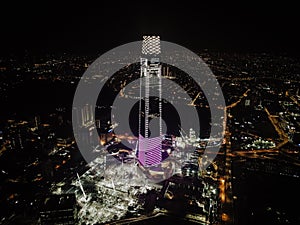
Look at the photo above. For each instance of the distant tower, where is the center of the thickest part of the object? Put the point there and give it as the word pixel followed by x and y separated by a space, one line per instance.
pixel 149 148
pixel 37 121
pixel 247 102
pixel 87 115
pixel 86 124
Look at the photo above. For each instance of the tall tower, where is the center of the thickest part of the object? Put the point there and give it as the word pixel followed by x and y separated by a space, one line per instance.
pixel 85 126
pixel 150 105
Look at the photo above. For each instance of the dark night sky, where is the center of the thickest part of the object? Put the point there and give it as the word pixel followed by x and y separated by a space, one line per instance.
pixel 52 26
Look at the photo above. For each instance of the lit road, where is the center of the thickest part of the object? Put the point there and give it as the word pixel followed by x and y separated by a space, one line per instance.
pixel 292 98
pixel 238 101
pixel 225 183
pixel 282 135
pixel 193 101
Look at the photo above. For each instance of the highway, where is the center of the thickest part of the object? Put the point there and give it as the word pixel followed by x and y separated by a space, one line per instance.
pixel 225 183
pixel 282 135
pixel 238 101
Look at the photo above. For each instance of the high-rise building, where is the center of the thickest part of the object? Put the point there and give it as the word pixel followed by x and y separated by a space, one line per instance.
pixel 150 105
pixel 85 124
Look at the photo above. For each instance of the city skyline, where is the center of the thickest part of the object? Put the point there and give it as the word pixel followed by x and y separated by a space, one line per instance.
pixel 76 164
pixel 262 141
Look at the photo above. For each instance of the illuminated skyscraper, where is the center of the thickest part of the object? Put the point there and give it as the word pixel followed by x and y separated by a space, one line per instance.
pixel 150 105
pixel 85 124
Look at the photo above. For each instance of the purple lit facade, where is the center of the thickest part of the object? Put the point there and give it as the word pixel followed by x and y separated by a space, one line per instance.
pixel 149 153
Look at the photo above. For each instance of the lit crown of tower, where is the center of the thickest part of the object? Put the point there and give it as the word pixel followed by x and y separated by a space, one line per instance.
pixel 151 45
